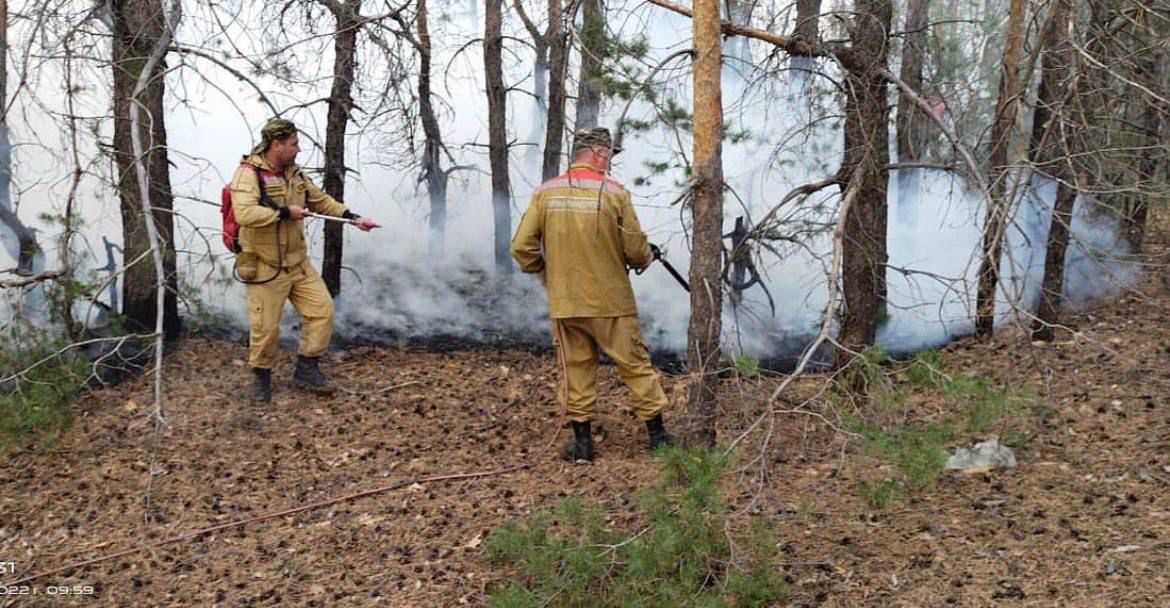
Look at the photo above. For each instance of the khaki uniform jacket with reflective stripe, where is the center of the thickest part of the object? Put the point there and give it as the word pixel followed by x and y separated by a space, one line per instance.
pixel 261 228
pixel 581 231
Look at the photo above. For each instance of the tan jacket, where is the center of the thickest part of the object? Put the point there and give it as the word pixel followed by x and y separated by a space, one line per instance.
pixel 261 227
pixel 580 229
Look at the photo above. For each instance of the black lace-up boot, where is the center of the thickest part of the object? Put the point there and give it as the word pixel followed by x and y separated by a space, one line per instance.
pixel 308 376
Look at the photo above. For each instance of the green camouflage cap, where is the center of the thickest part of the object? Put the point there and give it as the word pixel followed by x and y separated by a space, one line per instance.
pixel 274 129
pixel 597 136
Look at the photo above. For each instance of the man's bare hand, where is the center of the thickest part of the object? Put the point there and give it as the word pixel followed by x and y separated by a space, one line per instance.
pixel 297 212
pixel 366 224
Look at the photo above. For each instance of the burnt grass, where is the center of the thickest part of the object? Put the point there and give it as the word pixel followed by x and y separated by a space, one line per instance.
pixel 1083 521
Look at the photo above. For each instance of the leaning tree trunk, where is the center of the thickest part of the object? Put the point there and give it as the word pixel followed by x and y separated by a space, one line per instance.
pixel 592 57
pixel 138 24
pixel 558 52
pixel 346 16
pixel 433 172
pixel 539 75
pixel 27 252
pixel 703 352
pixel 1049 149
pixel 998 207
pixel 913 126
pixel 493 44
pixel 866 157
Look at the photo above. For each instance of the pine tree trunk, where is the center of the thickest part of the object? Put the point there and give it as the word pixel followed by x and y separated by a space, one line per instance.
pixel 493 44
pixel 433 172
pixel 1049 149
pixel 336 122
pixel 557 67
pixel 995 226
pixel 1153 128
pixel 866 155
pixel 592 57
pixel 138 24
pixel 703 334
pixel 913 126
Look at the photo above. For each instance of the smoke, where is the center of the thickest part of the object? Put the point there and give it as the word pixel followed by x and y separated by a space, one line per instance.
pixel 786 132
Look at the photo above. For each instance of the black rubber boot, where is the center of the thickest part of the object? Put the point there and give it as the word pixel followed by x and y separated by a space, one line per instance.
pixel 261 386
pixel 308 376
pixel 658 435
pixel 580 449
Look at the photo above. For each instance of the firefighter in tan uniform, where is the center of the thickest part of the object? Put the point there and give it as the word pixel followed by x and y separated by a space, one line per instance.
pixel 581 234
pixel 274 260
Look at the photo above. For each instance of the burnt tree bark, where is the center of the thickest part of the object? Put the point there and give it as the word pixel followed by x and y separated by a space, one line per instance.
pixel 346 15
pixel 912 126
pixel 866 156
pixel 432 170
pixel 995 226
pixel 703 333
pixel 137 25
pixel 1049 149
pixel 592 60
pixel 493 45
pixel 558 61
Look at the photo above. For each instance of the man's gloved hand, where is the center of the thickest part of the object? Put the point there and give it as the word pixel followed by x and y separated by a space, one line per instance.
pixel 656 251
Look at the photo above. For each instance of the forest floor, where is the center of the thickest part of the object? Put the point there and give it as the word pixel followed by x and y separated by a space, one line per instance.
pixel 1084 520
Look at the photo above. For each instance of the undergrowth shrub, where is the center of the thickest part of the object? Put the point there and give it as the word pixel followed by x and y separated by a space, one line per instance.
pixel 36 386
pixel 568 557
pixel 917 448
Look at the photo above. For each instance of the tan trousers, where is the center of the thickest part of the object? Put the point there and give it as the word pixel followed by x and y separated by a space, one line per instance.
pixel 302 286
pixel 578 339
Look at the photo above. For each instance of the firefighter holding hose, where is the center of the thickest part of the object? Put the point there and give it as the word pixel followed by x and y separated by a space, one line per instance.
pixel 271 197
pixel 581 234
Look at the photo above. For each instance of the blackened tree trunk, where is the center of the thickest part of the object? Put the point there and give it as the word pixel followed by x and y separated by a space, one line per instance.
pixel 913 126
pixel 1049 149
pixel 866 156
pixel 137 25
pixel 995 226
pixel 558 53
pixel 346 16
pixel 703 349
pixel 433 172
pixel 493 45
pixel 592 59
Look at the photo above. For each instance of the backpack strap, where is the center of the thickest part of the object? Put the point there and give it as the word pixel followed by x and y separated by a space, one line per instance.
pixel 265 200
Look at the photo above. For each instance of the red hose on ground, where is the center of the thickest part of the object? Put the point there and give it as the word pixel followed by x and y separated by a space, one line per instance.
pixel 332 501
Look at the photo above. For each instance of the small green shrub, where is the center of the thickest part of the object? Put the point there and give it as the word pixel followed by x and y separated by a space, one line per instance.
pixel 35 397
pixel 568 557
pixel 747 366
pixel 879 495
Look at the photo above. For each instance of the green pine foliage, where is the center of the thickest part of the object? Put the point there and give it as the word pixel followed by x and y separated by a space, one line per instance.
pixel 37 384
pixel 568 557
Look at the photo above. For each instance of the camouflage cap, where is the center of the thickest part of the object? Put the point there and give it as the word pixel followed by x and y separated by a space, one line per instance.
pixel 597 136
pixel 274 129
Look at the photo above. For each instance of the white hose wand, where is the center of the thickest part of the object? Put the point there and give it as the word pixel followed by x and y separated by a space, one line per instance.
pixel 331 218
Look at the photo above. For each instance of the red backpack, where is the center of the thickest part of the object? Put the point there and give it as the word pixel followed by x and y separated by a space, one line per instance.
pixel 231 228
